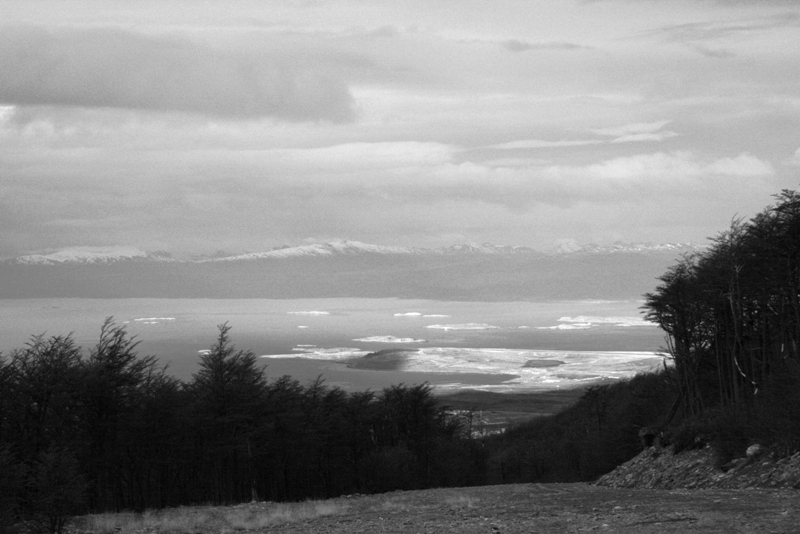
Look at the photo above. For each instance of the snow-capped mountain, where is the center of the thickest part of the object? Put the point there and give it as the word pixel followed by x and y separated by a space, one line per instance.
pixel 352 248
pixel 346 269
pixel 322 249
pixel 625 248
pixel 358 248
pixel 88 255
pixel 104 255
pixel 485 248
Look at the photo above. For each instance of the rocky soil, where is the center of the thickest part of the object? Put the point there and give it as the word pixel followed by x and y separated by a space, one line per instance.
pixel 656 492
pixel 659 468
pixel 561 508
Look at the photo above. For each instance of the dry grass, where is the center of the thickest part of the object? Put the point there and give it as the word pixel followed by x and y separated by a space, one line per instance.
pixel 259 516
pixel 461 501
pixel 223 520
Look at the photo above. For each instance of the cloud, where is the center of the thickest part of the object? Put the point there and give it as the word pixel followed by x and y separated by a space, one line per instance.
pixel 629 133
pixel 612 182
pixel 379 155
pixel 110 68
pixel 716 53
pixel 203 200
pixel 742 165
pixel 539 143
pixel 693 33
pixel 637 132
pixel 682 166
pixel 628 129
pixel 516 45
pixel 642 137
pixel 794 160
pixel 759 3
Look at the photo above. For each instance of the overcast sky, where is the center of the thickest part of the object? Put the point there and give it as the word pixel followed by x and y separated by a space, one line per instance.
pixel 194 126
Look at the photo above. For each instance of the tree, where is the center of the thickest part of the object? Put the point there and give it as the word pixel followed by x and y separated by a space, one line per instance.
pixel 228 394
pixel 732 313
pixel 42 400
pixel 675 307
pixel 115 381
pixel 410 419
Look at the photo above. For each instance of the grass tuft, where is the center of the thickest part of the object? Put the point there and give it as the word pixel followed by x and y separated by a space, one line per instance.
pixel 224 520
pixel 461 501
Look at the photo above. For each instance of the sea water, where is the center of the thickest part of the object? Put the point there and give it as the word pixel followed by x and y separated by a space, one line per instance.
pixel 491 345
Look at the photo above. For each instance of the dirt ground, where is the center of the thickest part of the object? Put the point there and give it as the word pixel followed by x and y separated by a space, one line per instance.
pixel 561 508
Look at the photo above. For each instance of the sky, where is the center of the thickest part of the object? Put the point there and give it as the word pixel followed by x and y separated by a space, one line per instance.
pixel 205 126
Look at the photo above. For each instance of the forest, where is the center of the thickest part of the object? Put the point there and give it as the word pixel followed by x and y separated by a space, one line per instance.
pixel 108 430
pixel 113 431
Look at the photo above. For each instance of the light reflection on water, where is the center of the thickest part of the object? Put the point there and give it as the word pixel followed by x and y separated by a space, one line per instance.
pixel 176 330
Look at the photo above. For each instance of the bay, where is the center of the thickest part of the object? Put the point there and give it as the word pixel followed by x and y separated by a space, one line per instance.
pixel 307 338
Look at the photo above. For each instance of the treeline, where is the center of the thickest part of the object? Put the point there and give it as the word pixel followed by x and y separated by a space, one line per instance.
pixel 732 315
pixel 113 431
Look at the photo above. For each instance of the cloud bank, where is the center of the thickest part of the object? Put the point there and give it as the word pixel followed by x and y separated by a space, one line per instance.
pixel 111 68
pixel 247 125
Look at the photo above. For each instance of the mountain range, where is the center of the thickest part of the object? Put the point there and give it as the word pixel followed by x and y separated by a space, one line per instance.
pixel 346 269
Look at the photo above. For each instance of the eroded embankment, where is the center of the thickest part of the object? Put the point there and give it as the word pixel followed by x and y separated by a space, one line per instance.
pixel 659 468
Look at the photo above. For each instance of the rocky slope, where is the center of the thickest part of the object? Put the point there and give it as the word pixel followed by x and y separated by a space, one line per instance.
pixel 659 468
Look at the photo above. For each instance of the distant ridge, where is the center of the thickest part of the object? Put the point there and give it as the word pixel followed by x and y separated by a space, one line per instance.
pixel 627 248
pixel 103 255
pixel 485 248
pixel 479 272
pixel 321 249
pixel 89 255
pixel 357 247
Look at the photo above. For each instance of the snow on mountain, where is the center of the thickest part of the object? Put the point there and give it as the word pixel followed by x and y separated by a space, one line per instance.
pixel 485 248
pixel 87 255
pixel 358 248
pixel 343 269
pixel 96 255
pixel 321 249
pixel 620 247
